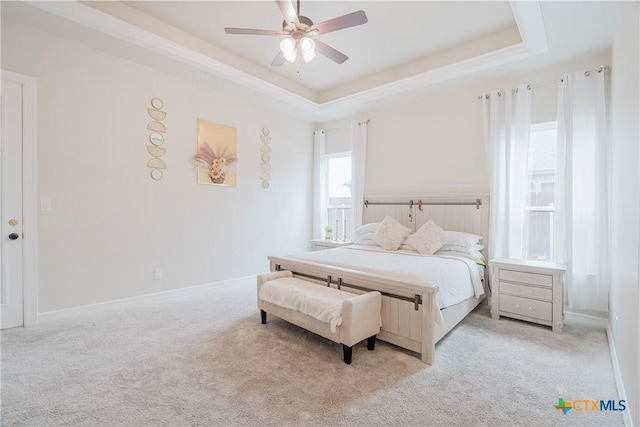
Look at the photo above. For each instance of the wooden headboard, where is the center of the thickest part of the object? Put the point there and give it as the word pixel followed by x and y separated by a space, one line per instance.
pixel 469 214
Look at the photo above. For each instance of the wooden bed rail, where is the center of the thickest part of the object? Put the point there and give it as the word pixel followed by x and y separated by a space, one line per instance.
pixel 366 282
pixel 416 300
pixel 421 297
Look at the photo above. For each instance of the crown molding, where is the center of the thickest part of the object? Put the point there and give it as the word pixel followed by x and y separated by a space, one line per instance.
pixel 115 27
pixel 528 16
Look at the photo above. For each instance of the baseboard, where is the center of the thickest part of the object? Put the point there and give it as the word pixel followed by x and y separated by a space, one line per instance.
pixel 585 319
pixel 616 372
pixel 601 322
pixel 51 316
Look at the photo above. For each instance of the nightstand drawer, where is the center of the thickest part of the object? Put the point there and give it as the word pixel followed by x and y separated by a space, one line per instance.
pixel 523 277
pixel 526 291
pixel 526 307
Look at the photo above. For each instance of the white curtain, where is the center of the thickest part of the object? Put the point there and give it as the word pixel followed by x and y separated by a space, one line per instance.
pixel 507 123
pixel 581 218
pixel 319 184
pixel 358 167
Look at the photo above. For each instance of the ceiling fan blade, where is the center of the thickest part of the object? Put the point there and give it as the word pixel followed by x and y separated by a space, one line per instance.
pixel 326 50
pixel 278 60
pixel 288 11
pixel 341 22
pixel 253 31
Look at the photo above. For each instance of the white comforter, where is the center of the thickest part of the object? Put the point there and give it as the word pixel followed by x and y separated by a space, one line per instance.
pixel 456 278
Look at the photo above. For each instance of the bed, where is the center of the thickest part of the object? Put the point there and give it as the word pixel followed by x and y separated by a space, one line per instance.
pixel 423 296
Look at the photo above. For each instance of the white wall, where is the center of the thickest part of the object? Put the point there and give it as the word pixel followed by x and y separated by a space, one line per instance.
pixel 625 207
pixel 111 225
pixel 430 142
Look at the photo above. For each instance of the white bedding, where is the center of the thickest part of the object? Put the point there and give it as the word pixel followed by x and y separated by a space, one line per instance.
pixel 456 278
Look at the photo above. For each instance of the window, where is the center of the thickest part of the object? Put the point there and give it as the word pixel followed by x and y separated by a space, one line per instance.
pixel 541 175
pixel 339 194
pixel 339 171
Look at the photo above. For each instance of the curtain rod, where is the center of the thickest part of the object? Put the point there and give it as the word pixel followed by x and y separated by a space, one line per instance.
pixel 343 127
pixel 600 69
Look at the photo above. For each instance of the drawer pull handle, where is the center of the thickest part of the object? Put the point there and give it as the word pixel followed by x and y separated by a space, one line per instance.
pixel 517 305
pixel 530 308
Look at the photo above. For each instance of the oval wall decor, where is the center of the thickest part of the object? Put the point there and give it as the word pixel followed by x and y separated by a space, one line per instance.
pixel 156 138
pixel 265 157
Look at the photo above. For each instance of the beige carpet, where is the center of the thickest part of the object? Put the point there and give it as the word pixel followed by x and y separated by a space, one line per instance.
pixel 205 359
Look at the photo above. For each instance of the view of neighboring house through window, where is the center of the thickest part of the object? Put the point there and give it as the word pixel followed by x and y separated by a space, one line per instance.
pixel 541 170
pixel 339 193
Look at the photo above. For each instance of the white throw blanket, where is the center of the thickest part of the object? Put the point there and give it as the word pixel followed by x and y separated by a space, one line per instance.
pixel 320 302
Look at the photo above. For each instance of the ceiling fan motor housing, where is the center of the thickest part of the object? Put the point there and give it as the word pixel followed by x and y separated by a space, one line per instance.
pixel 304 24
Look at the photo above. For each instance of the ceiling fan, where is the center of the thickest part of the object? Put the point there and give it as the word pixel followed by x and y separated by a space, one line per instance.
pixel 300 31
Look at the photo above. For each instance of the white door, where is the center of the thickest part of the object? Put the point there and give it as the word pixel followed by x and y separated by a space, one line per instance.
pixel 11 247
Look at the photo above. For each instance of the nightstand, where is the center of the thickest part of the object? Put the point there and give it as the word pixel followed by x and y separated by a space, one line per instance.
pixel 528 290
pixel 317 245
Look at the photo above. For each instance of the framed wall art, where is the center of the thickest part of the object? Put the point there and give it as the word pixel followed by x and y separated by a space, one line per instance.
pixel 217 154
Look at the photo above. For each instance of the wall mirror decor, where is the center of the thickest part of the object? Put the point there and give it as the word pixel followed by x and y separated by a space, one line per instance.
pixel 265 157
pixel 156 137
pixel 157 103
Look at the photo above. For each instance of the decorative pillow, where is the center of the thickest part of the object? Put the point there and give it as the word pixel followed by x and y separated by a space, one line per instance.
pixel 390 234
pixel 463 239
pixel 466 249
pixel 428 239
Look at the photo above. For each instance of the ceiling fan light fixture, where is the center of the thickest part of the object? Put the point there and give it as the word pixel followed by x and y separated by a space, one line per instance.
pixel 290 56
pixel 308 47
pixel 308 55
pixel 307 44
pixel 288 45
pixel 288 48
pixel 299 31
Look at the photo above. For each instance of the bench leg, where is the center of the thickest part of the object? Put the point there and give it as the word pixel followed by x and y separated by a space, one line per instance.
pixel 371 343
pixel 347 351
pixel 263 317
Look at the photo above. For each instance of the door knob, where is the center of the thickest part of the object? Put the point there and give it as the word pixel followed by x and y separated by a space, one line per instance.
pixel 13 236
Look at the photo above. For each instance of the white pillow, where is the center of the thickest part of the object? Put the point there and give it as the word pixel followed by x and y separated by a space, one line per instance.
pixel 428 239
pixel 365 242
pixel 466 249
pixel 371 227
pixel 365 232
pixel 390 234
pixel 463 239
pixel 475 256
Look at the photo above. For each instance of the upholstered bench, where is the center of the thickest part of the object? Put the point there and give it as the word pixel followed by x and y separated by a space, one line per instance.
pixel 337 315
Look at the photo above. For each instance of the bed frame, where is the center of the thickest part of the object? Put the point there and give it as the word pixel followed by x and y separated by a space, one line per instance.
pixel 408 310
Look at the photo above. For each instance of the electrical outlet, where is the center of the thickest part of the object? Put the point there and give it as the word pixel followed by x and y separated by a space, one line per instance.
pixel 157 274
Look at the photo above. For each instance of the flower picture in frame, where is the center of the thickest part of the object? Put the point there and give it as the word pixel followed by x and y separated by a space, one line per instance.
pixel 217 154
